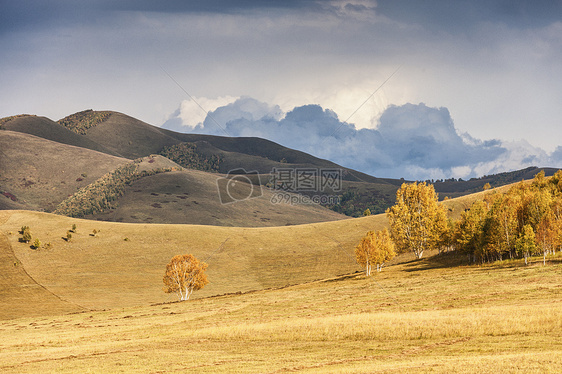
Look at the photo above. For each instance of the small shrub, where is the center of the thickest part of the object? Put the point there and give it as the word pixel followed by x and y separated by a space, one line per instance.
pixel 25 234
pixel 36 244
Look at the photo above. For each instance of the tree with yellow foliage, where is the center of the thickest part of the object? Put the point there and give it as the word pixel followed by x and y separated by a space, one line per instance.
pixel 417 220
pixel 469 231
pixel 376 248
pixel 526 242
pixel 501 225
pixel 185 274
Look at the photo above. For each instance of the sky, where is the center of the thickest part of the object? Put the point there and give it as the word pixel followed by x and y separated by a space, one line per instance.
pixel 415 89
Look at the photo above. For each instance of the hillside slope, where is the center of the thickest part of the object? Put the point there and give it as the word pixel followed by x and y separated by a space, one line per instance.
pixel 47 129
pixel 123 264
pixel 118 134
pixel 20 295
pixel 192 197
pixel 129 137
pixel 37 173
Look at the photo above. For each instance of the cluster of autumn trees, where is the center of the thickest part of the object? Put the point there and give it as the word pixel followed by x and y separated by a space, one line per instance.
pixel 524 221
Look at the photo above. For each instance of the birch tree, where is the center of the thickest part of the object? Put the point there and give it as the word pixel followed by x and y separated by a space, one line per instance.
pixel 185 274
pixel 417 220
pixel 502 225
pixel 376 248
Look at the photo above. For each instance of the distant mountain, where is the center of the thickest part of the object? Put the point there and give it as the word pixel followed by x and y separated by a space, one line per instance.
pixel 117 134
pixel 37 174
pixel 47 129
pixel 40 174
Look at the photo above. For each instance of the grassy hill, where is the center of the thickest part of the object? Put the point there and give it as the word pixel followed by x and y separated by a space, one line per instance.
pixel 192 197
pixel 293 292
pixel 47 129
pixel 415 316
pixel 18 291
pixel 122 264
pixel 37 174
pixel 118 134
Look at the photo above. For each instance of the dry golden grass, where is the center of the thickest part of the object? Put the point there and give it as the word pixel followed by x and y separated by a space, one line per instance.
pixel 433 315
pixel 191 197
pixel 41 173
pixel 413 317
pixel 123 264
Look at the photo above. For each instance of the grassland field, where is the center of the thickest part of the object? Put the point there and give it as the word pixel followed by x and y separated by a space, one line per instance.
pixel 417 316
pixel 281 299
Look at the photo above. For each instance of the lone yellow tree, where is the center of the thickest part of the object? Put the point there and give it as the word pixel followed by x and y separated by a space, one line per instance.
pixel 185 274
pixel 417 220
pixel 376 248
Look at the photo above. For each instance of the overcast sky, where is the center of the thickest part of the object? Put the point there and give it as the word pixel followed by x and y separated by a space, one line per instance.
pixel 468 87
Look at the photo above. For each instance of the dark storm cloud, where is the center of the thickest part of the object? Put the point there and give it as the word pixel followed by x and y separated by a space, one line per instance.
pixel 211 6
pixel 459 16
pixel 38 14
pixel 437 14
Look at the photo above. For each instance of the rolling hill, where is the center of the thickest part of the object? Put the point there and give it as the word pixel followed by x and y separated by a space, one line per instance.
pixel 415 317
pixel 37 174
pixel 95 300
pixel 122 264
pixel 118 134
pixel 47 129
pixel 288 291
pixel 192 197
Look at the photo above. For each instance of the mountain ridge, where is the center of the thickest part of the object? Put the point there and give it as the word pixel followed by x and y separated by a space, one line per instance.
pixel 118 134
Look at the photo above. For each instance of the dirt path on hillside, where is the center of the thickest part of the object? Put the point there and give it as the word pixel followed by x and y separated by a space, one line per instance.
pixel 20 294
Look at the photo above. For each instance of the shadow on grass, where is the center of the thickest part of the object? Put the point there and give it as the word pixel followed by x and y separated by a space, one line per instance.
pixel 455 259
pixel 437 261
